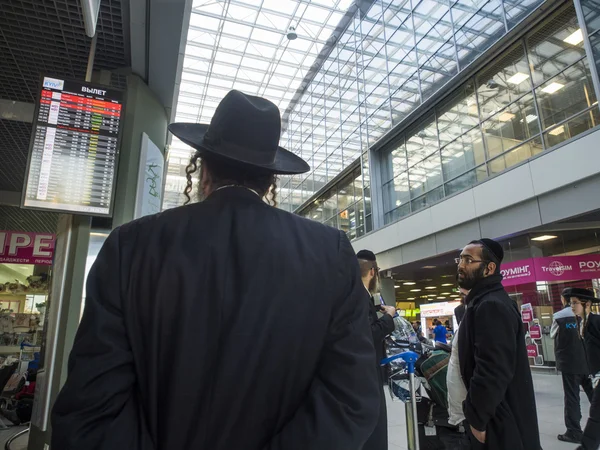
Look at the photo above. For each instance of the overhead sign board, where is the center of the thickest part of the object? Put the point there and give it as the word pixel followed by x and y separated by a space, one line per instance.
pixel 74 148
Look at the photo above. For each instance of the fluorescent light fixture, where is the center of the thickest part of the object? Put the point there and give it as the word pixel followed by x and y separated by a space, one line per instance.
pixel 431 295
pixel 575 38
pixel 545 237
pixel 529 118
pixel 430 287
pixel 455 295
pixel 409 283
pixel 506 117
pixel 428 267
pixel 441 298
pixel 557 131
pixel 553 87
pixel 397 287
pixel 415 290
pixel 448 284
pixel 97 234
pixel 518 78
pixel 446 293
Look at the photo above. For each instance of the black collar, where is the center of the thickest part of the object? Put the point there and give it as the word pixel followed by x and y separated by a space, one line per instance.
pixel 484 286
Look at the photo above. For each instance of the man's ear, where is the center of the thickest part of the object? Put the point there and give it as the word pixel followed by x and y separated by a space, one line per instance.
pixel 491 268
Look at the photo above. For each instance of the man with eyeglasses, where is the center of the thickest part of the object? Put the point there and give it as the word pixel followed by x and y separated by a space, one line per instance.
pixel 500 405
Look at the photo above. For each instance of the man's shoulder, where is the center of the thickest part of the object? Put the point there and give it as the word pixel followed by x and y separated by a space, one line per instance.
pixel 499 300
pixel 565 313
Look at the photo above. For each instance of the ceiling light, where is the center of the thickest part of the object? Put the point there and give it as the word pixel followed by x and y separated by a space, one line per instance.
pixel 518 78
pixel 430 287
pixel 455 295
pixel 428 267
pixel 441 298
pixel 446 293
pixel 431 295
pixel 415 290
pixel 557 131
pixel 529 118
pixel 506 116
pixel 575 38
pixel 553 87
pixel 448 284
pixel 397 287
pixel 545 237
pixel 409 283
pixel 410 298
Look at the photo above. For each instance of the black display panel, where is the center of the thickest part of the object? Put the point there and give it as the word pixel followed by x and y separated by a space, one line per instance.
pixel 74 148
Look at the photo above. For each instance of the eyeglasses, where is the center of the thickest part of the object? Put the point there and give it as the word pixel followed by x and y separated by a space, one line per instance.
pixel 467 260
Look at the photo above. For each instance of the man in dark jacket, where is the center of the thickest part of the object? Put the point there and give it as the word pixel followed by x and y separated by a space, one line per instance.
pixel 571 361
pixel 500 405
pixel 227 324
pixel 381 327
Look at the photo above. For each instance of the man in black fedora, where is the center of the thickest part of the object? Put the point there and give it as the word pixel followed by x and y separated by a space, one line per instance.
pixel 226 324
pixel 571 362
pixel 500 407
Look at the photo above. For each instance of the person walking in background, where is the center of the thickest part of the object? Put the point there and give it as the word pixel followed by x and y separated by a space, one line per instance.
pixel 440 332
pixel 381 327
pixel 571 362
pixel 227 324
pixel 589 328
pixel 500 403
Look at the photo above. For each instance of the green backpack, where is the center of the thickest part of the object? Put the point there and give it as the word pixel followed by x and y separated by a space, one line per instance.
pixel 434 369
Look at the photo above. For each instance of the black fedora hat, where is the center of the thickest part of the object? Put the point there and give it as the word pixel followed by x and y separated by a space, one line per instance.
pixel 581 294
pixel 244 130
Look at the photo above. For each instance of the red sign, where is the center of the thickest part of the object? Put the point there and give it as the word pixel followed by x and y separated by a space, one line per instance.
pixel 532 351
pixel 527 315
pixel 535 332
pixel 559 268
pixel 26 248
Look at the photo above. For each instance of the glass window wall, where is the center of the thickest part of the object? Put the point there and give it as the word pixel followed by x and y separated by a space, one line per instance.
pixel 536 95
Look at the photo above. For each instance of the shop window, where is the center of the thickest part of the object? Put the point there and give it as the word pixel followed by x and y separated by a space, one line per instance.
pixel 504 82
pixel 463 154
pixel 397 214
pixel 360 218
pixel 425 176
pixel 421 141
pixel 466 181
pixel 515 156
pixel 394 162
pixel 555 45
pixel 595 42
pixel 396 193
pixel 428 199
pixel 572 127
pixel 457 115
pixel 565 95
pixel 438 69
pixel 511 126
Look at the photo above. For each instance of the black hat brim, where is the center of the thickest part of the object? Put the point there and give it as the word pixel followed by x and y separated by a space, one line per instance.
pixel 285 162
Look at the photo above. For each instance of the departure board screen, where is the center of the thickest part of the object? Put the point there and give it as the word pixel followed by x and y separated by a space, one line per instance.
pixel 74 148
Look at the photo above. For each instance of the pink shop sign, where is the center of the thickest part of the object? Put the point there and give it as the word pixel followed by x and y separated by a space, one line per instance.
pixel 559 268
pixel 518 272
pixel 26 248
pixel 566 268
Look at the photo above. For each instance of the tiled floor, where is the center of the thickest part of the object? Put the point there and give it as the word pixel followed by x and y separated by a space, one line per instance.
pixel 548 389
pixel 549 397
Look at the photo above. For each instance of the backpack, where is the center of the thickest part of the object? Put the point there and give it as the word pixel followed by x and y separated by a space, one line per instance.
pixel 434 369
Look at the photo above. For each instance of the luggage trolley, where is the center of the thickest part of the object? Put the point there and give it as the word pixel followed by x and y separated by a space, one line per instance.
pixel 403 370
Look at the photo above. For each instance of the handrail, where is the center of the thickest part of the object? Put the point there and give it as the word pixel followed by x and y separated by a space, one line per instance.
pixel 16 436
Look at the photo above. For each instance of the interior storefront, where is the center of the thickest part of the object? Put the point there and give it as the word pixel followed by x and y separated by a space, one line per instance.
pixel 538 265
pixel 25 270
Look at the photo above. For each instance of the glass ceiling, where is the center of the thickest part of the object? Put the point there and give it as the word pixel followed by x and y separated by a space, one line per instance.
pixel 242 44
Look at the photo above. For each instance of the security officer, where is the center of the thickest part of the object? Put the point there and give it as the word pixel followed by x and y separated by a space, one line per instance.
pixel 571 361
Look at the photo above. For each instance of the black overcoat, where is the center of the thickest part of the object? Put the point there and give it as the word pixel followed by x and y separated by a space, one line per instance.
pixel 223 325
pixel 495 369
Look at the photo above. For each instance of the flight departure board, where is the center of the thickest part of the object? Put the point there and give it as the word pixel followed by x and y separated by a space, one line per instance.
pixel 74 148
